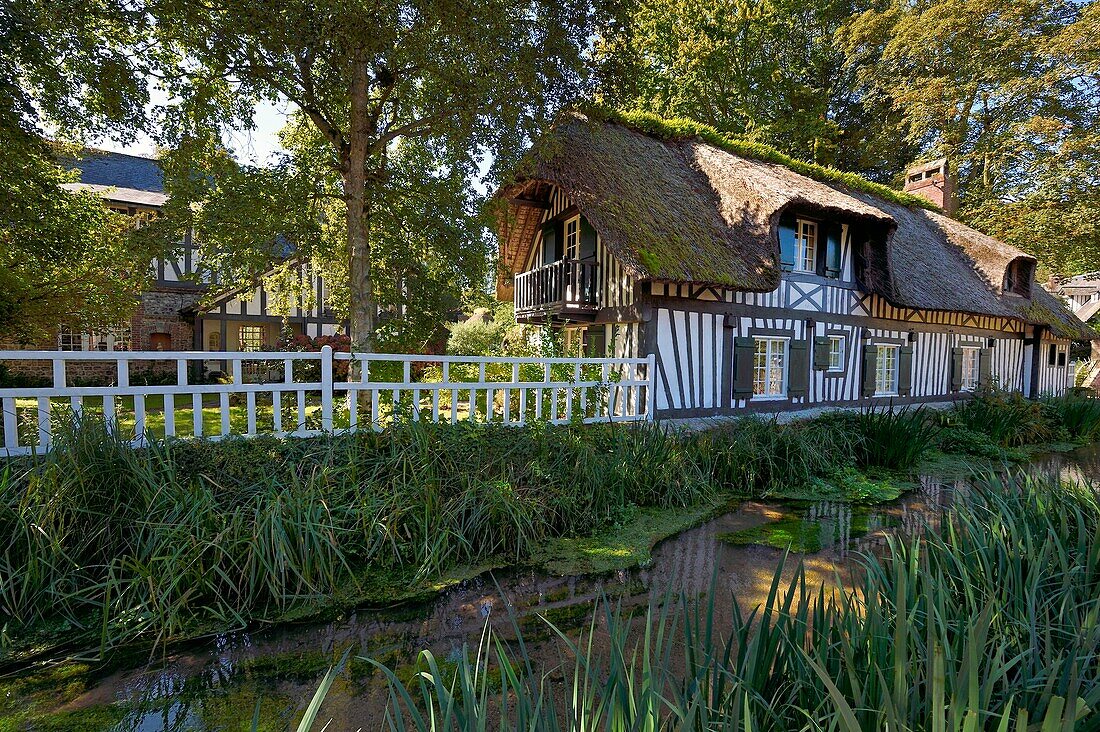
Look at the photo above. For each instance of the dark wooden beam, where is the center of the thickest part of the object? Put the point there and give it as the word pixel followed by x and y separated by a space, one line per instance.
pixel 530 203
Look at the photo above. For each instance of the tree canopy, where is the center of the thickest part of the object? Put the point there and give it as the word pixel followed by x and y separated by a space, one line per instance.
pixel 1007 89
pixel 67 69
pixel 396 103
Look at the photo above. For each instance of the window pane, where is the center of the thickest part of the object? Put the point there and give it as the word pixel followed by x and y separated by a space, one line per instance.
pixel 251 337
pixel 886 374
pixel 806 259
pixel 836 353
pixel 769 367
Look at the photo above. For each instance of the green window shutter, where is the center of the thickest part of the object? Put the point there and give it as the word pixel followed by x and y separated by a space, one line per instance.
pixel 798 370
pixel 743 349
pixel 905 371
pixel 588 241
pixel 549 242
pixel 787 241
pixel 832 251
pixel 821 352
pixel 956 369
pixel 870 360
pixel 985 366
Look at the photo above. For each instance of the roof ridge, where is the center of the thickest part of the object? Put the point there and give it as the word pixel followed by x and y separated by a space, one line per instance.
pixel 679 128
pixel 100 151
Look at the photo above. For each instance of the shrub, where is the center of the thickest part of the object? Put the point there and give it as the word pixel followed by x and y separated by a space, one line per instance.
pixel 9 380
pixel 1078 414
pixel 893 439
pixel 1009 418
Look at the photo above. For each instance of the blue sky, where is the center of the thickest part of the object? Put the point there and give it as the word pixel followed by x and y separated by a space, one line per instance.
pixel 255 146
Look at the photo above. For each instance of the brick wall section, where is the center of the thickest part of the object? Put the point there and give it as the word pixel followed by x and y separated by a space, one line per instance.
pixel 159 312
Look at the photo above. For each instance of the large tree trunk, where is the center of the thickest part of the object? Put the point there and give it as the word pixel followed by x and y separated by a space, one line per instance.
pixel 360 286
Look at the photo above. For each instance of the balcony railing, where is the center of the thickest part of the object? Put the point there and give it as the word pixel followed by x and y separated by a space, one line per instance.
pixel 567 284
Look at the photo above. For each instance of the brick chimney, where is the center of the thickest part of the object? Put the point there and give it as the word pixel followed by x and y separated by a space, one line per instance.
pixel 933 181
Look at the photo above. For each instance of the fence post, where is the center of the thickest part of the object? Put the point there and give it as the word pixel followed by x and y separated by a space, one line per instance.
pixel 326 389
pixel 651 390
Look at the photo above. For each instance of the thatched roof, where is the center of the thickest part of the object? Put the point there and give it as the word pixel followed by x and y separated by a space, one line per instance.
pixel 685 209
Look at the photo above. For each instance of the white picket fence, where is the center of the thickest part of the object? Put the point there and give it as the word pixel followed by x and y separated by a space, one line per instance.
pixel 296 393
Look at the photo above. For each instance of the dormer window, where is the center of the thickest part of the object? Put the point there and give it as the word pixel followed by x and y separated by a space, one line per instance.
pixel 572 237
pixel 1018 277
pixel 805 246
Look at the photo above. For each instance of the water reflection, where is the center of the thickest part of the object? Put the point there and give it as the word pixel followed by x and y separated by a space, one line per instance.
pixel 218 685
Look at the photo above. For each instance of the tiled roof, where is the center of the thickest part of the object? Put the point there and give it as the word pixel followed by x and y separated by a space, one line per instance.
pixel 103 168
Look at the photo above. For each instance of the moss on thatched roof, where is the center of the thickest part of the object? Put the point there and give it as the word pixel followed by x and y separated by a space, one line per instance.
pixel 681 129
pixel 677 201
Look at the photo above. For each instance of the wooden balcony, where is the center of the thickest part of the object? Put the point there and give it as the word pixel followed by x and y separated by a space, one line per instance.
pixel 567 290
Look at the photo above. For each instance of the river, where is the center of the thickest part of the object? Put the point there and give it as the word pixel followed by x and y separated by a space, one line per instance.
pixel 215 685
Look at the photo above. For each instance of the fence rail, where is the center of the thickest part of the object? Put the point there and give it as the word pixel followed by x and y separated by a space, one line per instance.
pixel 310 393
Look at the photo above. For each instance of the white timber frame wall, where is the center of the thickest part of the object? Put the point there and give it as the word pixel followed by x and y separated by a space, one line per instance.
pixel 691 329
pixel 692 341
pixel 243 307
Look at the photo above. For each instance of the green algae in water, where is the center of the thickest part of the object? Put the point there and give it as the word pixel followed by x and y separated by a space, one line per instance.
pixel 35 701
pixel 791 531
pixel 807 529
pixel 850 485
pixel 625 546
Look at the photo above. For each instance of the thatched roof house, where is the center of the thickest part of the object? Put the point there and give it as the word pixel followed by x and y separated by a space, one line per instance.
pixel 680 208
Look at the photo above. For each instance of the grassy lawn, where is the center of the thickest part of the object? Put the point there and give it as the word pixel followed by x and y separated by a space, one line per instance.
pixel 212 423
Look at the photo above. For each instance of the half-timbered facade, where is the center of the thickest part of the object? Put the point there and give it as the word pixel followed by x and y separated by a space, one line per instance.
pixel 758 288
pixel 183 309
pixel 1082 294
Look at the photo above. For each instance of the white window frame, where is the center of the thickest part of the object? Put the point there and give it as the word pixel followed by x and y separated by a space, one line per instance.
pixel 240 337
pixel 837 356
pixel 887 379
pixel 115 338
pixel 70 340
pixel 805 246
pixel 970 368
pixel 572 231
pixel 772 343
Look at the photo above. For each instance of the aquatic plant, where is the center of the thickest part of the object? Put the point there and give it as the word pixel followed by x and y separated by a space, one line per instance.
pixel 930 638
pixel 1080 415
pixel 1009 418
pixel 894 439
pixel 755 456
pixel 116 543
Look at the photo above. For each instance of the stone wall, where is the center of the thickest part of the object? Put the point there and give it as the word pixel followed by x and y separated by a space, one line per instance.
pixel 155 325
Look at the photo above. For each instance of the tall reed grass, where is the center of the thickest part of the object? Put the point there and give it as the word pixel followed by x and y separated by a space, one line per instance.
pixel 990 623
pixel 113 543
pixel 119 543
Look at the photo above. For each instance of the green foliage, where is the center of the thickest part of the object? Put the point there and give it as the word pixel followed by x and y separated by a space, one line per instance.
pixel 491 332
pixel 64 257
pixel 893 439
pixel 929 638
pixel 769 72
pixel 757 456
pixel 1078 414
pixel 1009 418
pixel 1014 112
pixel 395 109
pixel 119 544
